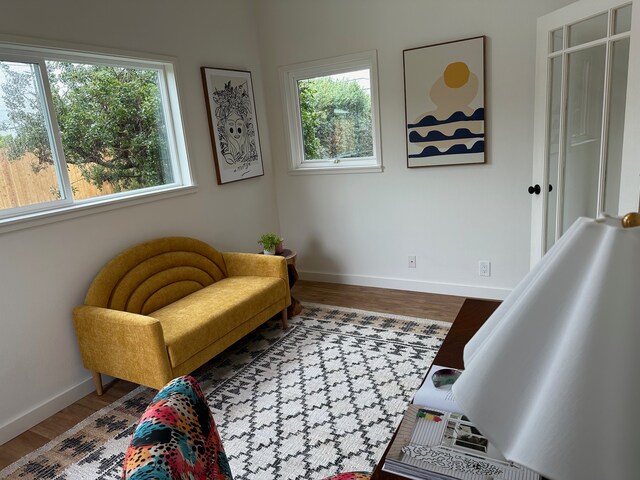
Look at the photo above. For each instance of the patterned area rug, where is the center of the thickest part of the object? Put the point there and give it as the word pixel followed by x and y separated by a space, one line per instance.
pixel 321 398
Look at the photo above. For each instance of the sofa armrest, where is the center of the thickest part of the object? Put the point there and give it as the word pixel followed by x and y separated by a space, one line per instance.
pixel 258 265
pixel 123 345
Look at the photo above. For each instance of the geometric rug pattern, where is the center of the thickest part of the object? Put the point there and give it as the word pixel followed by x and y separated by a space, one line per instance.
pixel 321 398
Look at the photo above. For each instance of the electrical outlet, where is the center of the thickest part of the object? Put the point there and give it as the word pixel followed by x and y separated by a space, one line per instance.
pixel 412 261
pixel 484 268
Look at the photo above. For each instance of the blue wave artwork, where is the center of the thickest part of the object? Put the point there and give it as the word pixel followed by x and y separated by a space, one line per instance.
pixel 435 136
pixel 430 120
pixel 457 149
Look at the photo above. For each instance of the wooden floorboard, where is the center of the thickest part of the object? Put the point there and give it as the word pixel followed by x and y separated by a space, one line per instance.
pixel 62 421
pixel 21 445
pixel 399 302
pixel 414 304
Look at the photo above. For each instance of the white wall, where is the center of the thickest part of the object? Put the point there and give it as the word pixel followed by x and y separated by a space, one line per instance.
pixel 360 228
pixel 45 270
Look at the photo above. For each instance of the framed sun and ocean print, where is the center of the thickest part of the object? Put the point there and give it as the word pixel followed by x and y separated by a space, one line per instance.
pixel 233 124
pixel 444 88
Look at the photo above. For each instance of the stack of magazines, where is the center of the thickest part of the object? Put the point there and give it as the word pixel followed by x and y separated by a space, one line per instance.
pixel 435 443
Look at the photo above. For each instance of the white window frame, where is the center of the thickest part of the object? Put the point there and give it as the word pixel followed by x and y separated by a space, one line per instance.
pixel 289 77
pixel 13 218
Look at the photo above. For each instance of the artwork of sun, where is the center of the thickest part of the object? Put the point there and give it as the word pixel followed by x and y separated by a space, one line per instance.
pixel 444 94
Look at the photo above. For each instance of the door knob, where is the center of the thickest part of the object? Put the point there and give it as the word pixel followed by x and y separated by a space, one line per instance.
pixel 536 189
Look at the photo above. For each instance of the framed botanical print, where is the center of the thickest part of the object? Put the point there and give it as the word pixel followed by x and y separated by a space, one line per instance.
pixel 444 103
pixel 233 124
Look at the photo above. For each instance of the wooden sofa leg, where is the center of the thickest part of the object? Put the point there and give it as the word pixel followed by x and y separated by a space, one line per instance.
pixel 97 380
pixel 285 323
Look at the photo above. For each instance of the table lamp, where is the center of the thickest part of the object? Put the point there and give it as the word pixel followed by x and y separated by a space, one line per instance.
pixel 552 379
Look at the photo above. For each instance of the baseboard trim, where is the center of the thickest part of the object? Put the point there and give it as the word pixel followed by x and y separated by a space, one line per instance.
pixel 473 291
pixel 21 424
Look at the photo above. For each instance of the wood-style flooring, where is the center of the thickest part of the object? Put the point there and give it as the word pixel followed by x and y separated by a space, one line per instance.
pixel 414 304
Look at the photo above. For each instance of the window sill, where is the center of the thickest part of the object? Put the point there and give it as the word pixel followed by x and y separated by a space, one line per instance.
pixel 79 210
pixel 336 170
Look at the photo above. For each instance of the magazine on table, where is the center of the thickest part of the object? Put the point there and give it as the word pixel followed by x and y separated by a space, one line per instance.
pixel 436 441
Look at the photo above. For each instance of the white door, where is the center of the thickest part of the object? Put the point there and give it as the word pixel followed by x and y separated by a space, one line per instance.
pixel 582 164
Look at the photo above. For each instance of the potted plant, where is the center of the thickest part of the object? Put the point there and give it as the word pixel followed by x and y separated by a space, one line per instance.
pixel 270 243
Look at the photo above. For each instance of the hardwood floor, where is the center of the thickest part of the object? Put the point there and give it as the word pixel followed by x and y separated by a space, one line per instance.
pixel 414 304
pixel 399 302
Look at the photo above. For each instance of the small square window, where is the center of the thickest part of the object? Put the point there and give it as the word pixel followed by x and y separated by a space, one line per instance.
pixel 331 107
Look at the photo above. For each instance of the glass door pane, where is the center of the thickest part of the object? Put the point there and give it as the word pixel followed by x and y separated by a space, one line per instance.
pixel 556 40
pixel 586 73
pixel 617 102
pixel 588 30
pixel 623 19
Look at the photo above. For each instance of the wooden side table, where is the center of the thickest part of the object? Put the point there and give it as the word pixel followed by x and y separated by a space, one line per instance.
pixel 290 256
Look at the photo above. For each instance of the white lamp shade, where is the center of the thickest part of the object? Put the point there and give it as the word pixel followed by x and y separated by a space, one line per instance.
pixel 553 377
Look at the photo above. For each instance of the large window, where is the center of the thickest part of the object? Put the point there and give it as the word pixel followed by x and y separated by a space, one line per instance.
pixel 78 129
pixel 332 106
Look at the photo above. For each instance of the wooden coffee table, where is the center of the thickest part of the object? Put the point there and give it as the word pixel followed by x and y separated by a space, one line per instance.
pixel 470 318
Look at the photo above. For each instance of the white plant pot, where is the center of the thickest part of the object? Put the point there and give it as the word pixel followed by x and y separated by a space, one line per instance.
pixel 270 252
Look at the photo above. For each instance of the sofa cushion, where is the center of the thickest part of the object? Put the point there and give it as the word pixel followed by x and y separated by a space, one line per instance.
pixel 201 318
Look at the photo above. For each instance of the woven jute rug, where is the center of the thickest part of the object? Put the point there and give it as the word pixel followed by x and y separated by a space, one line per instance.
pixel 323 397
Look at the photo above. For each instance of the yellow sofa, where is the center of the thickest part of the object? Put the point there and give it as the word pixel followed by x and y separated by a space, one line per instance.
pixel 163 308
